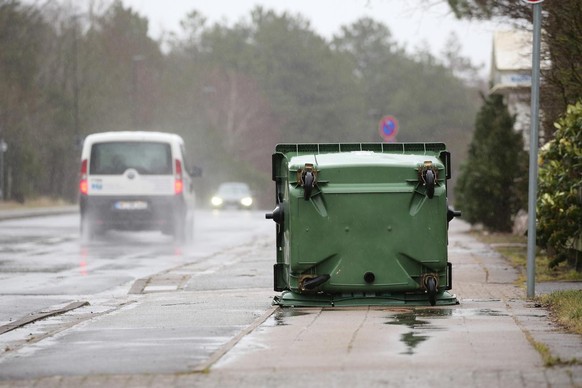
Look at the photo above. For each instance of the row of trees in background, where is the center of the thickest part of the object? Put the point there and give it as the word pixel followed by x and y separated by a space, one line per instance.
pixel 232 91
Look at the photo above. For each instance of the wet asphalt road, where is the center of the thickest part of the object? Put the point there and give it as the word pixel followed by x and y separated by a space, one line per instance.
pixel 165 315
pixel 140 317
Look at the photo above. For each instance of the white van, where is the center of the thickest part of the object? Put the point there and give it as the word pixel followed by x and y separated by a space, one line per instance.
pixel 136 181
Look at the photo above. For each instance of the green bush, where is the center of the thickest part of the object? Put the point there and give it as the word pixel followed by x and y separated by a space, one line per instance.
pixel 492 184
pixel 559 205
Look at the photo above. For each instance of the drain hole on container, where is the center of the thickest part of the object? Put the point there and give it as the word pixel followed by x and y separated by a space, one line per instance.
pixel 369 277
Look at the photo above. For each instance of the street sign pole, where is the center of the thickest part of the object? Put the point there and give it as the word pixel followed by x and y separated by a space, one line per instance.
pixel 533 149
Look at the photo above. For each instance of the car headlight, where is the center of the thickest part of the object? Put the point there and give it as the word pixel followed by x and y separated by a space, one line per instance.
pixel 246 201
pixel 216 201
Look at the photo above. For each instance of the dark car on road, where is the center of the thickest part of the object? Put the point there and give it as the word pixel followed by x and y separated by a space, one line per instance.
pixel 232 195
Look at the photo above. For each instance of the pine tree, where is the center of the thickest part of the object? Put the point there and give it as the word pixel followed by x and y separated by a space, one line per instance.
pixel 492 184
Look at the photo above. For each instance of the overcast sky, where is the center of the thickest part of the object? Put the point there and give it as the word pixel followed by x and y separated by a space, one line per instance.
pixel 412 22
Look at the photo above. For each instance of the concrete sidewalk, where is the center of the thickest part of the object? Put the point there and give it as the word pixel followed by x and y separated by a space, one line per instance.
pixel 488 340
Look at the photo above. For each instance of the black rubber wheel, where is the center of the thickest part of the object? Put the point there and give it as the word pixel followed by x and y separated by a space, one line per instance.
pixel 307 185
pixel 431 288
pixel 429 182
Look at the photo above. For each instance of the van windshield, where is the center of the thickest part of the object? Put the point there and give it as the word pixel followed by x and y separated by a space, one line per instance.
pixel 149 158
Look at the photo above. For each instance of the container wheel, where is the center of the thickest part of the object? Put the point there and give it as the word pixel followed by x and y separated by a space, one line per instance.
pixel 429 181
pixel 307 185
pixel 431 288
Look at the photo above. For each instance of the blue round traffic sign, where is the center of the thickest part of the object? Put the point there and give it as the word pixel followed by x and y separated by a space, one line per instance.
pixel 388 128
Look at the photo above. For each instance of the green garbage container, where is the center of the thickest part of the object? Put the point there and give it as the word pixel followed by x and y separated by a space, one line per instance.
pixel 362 224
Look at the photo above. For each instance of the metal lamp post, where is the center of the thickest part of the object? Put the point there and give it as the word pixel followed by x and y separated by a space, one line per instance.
pixel 533 147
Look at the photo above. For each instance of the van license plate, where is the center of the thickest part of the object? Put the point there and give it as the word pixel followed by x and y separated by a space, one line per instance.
pixel 131 205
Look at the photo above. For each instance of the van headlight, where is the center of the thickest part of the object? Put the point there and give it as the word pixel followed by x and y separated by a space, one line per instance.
pixel 216 201
pixel 246 201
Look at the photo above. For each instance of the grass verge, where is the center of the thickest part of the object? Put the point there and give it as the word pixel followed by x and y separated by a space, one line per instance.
pixel 566 308
pixel 514 249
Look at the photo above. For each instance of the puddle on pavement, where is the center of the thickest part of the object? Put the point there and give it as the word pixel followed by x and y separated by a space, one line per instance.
pixel 421 322
pixel 419 327
pixel 280 317
pixel 412 340
pixel 408 319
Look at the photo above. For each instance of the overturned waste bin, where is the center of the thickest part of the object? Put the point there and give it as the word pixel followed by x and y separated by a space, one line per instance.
pixel 362 224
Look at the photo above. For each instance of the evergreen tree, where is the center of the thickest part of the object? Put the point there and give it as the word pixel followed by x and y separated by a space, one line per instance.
pixel 492 184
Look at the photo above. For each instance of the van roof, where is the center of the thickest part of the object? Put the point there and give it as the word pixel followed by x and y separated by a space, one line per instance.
pixel 133 136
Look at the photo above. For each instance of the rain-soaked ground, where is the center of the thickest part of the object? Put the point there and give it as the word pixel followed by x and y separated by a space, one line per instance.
pixel 415 325
pixel 206 319
pixel 486 340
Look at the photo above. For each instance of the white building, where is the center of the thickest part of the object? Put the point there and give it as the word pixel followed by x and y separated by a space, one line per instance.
pixel 511 67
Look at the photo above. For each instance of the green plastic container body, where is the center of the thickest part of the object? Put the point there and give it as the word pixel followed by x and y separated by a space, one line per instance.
pixel 371 226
